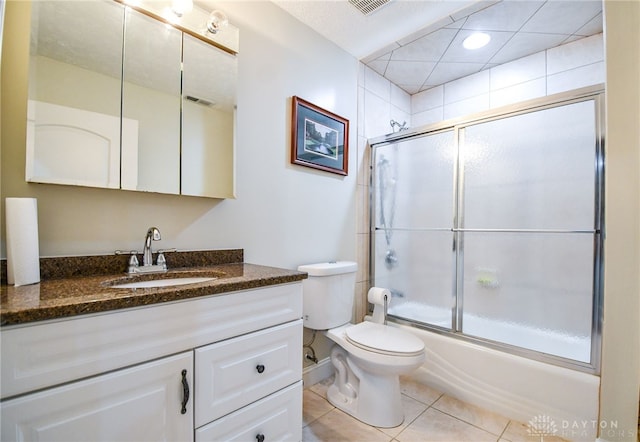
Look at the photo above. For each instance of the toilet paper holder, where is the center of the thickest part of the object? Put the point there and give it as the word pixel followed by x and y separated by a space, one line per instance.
pixel 380 299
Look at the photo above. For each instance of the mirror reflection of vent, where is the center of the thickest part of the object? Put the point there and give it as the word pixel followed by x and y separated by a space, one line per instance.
pixel 368 6
pixel 199 101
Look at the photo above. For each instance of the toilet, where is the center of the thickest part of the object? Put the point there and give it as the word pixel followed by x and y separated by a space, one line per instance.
pixel 368 357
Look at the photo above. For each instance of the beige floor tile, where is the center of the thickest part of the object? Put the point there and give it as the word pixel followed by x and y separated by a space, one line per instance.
pixel 337 426
pixel 322 386
pixel 518 432
pixel 491 422
pixel 435 426
pixel 412 409
pixel 418 390
pixel 313 406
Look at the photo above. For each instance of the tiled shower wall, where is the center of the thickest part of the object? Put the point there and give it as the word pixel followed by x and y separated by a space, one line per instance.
pixel 573 65
pixel 563 68
pixel 379 102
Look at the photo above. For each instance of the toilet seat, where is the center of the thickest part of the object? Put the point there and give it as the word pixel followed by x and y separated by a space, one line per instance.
pixel 383 339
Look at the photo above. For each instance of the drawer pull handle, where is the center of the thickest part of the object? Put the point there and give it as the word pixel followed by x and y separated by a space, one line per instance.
pixel 185 392
pixel 260 437
pixel 260 369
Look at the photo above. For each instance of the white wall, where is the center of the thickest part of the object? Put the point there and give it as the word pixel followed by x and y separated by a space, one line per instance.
pixel 284 215
pixel 620 377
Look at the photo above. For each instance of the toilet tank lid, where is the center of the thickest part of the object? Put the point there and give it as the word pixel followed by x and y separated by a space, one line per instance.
pixel 329 268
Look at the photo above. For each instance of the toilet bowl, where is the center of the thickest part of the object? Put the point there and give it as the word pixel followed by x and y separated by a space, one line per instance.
pixel 368 357
pixel 367 383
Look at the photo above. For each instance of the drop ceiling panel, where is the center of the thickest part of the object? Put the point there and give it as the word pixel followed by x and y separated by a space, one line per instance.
pixel 524 43
pixel 503 16
pixel 431 47
pixel 562 17
pixel 409 72
pixel 457 53
pixel 407 37
pixel 445 72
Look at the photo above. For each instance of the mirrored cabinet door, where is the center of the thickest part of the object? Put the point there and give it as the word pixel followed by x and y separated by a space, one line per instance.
pixel 73 111
pixel 110 104
pixel 151 105
pixel 208 108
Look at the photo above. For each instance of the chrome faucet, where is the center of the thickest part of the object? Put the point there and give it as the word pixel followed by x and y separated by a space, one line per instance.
pixel 153 234
pixel 147 256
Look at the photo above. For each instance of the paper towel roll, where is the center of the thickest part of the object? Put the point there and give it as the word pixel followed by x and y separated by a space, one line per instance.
pixel 376 295
pixel 23 252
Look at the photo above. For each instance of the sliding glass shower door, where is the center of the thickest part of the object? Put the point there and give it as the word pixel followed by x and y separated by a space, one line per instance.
pixel 528 222
pixel 491 229
pixel 414 208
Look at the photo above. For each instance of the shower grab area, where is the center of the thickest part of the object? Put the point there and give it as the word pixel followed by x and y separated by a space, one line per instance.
pixel 489 228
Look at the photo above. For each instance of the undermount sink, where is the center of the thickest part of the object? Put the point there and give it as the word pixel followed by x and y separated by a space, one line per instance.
pixel 161 283
pixel 168 279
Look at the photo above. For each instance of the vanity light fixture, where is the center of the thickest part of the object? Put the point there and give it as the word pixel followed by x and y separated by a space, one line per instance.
pixel 217 20
pixel 476 40
pixel 181 7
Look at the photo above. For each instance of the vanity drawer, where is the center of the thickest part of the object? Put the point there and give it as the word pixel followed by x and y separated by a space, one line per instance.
pixel 276 417
pixel 238 371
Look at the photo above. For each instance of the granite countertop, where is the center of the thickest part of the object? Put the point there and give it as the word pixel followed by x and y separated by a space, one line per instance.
pixel 70 296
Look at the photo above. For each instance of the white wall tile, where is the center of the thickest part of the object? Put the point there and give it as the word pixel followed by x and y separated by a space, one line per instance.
pixel 430 116
pixel 361 69
pixel 467 87
pixel 377 84
pixel 362 159
pixel 361 110
pixel 575 54
pixel 400 99
pixel 377 115
pixel 362 214
pixel 576 64
pixel 518 71
pixel 519 92
pixel 429 99
pixel 576 78
pixel 465 107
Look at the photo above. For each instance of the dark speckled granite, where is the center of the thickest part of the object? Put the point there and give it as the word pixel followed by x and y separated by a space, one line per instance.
pixel 72 266
pixel 90 292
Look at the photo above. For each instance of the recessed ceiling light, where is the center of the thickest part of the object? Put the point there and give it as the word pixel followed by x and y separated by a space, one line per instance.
pixel 476 40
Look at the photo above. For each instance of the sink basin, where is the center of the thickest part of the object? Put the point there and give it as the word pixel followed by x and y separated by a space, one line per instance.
pixel 168 279
pixel 161 283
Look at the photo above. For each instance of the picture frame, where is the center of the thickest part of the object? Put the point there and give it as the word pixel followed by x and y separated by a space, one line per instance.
pixel 319 138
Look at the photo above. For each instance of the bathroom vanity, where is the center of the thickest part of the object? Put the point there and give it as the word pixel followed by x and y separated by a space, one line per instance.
pixel 193 366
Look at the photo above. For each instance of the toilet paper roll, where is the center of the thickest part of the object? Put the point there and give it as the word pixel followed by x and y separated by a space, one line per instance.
pixel 376 295
pixel 23 252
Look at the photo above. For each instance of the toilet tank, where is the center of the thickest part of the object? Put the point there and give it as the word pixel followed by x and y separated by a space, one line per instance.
pixel 327 294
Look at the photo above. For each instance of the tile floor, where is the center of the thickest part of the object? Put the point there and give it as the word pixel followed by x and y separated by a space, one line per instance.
pixel 429 416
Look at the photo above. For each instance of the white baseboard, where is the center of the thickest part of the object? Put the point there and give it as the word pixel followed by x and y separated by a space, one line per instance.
pixel 317 372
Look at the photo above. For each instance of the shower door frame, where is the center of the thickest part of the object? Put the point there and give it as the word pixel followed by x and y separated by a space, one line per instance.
pixel 593 93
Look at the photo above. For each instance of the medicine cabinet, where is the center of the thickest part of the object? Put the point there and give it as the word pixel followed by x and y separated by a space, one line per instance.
pixel 119 98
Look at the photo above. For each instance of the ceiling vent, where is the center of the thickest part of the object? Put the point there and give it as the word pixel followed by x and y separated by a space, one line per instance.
pixel 368 7
pixel 199 101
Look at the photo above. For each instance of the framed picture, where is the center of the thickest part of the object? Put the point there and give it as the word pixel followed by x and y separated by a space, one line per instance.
pixel 319 138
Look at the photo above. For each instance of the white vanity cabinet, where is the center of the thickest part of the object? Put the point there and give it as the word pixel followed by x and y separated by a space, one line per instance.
pixel 223 367
pixel 141 403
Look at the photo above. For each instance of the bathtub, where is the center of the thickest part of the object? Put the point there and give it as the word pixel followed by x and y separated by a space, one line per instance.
pixel 564 345
pixel 525 390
